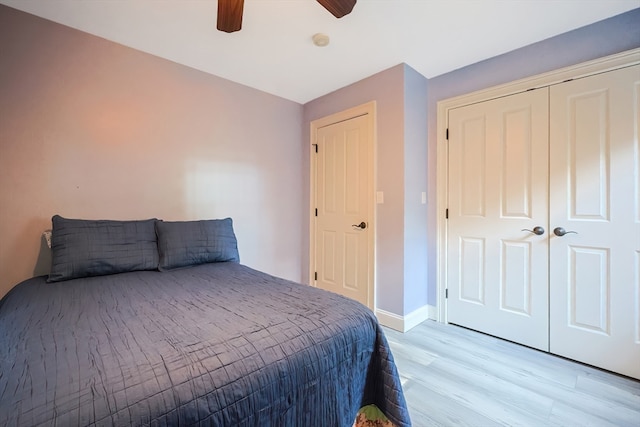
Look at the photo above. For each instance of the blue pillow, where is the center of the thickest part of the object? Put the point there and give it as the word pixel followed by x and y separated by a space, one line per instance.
pixel 82 248
pixel 183 243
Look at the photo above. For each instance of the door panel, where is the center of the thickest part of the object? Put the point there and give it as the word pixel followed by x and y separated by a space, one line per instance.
pixel 472 166
pixel 343 191
pixel 497 273
pixel 516 165
pixel 330 257
pixel 472 284
pixel 588 162
pixel 594 191
pixel 516 287
pixel 589 289
pixel 636 197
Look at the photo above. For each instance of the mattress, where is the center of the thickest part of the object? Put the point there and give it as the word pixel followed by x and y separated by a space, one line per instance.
pixel 215 344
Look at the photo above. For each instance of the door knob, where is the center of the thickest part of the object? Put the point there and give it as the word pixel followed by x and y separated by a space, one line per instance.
pixel 362 225
pixel 538 231
pixel 559 231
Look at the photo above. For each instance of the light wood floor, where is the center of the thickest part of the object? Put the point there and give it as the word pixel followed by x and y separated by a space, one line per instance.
pixel 456 377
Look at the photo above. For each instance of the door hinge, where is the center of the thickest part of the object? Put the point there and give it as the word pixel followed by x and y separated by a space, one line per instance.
pixel 446 213
pixel 315 146
pixel 447 136
pixel 316 211
pixel 446 293
pixel 315 275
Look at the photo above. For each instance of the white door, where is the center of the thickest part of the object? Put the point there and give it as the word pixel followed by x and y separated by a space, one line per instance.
pixel 497 274
pixel 595 192
pixel 343 195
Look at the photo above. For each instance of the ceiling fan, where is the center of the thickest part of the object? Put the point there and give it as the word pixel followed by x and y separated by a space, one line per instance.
pixel 230 12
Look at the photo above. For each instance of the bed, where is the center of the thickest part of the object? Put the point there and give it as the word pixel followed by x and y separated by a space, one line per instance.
pixel 157 323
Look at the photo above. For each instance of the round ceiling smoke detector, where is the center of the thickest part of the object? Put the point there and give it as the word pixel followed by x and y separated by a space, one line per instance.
pixel 320 39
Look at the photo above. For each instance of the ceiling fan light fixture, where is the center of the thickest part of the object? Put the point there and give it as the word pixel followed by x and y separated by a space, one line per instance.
pixel 230 15
pixel 320 39
pixel 338 8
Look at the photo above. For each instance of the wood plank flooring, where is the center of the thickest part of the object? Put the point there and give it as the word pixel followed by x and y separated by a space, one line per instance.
pixel 456 377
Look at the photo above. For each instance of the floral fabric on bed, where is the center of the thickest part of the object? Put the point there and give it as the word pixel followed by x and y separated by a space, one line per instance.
pixel 371 416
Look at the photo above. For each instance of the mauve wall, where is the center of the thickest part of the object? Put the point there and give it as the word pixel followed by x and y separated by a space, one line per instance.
pixel 386 88
pixel 92 129
pixel 415 183
pixel 407 108
pixel 607 37
pixel 401 221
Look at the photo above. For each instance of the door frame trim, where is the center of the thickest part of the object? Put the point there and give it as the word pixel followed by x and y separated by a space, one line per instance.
pixel 368 109
pixel 600 65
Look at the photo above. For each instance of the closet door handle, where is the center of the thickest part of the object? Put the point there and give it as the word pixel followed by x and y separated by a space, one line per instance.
pixel 538 231
pixel 559 231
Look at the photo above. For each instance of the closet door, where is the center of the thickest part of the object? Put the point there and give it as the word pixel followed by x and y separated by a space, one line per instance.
pixel 595 197
pixel 498 174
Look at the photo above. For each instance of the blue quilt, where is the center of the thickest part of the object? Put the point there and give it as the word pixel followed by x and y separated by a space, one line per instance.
pixel 216 344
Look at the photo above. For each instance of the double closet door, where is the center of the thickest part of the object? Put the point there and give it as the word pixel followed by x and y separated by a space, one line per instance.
pixel 543 229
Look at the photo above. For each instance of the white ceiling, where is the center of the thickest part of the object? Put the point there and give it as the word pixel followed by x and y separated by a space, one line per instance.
pixel 273 52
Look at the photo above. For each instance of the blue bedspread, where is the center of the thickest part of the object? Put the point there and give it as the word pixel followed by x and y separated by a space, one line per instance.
pixel 216 344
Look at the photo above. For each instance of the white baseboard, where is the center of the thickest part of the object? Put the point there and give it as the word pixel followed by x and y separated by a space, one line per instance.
pixel 390 320
pixel 405 323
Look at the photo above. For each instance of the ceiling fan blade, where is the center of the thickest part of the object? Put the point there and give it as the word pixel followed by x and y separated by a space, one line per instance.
pixel 230 15
pixel 338 8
